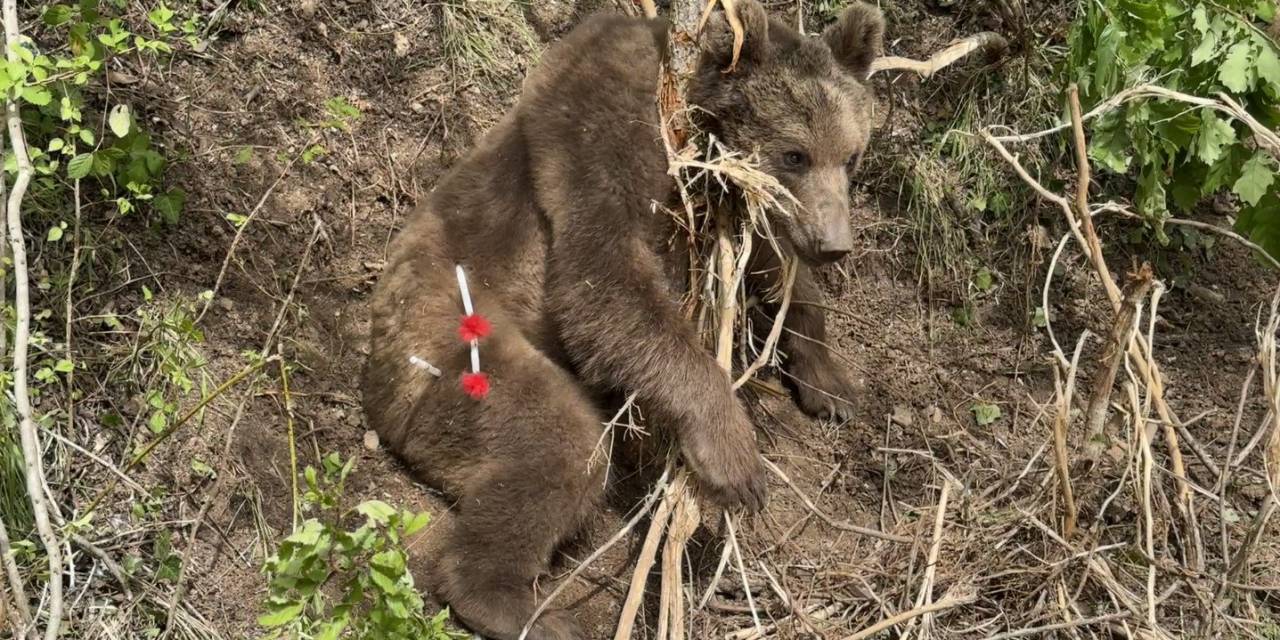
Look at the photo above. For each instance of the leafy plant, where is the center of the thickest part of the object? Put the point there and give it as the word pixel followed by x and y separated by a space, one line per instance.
pixel 985 413
pixel 63 142
pixel 328 582
pixel 1180 155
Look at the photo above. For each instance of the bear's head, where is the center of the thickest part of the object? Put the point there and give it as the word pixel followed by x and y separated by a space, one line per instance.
pixel 801 104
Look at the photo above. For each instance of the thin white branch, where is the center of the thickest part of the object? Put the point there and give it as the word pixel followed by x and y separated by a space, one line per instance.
pixel 31 450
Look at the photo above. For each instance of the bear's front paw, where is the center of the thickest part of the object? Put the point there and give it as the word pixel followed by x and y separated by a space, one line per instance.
pixel 727 464
pixel 823 388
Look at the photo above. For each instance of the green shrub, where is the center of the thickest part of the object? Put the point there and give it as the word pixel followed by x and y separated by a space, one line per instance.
pixel 1180 154
pixel 328 582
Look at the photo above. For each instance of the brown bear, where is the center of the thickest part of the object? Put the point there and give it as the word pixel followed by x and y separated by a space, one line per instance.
pixel 552 217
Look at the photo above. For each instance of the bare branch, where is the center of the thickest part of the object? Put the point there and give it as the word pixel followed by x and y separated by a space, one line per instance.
pixel 31 449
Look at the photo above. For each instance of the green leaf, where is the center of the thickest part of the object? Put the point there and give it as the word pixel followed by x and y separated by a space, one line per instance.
pixel 1256 177
pixel 416 523
pixel 985 414
pixel 1215 133
pixel 983 280
pixel 1205 50
pixel 1269 65
pixel 308 535
pixel 376 510
pixel 1236 71
pixel 158 422
pixel 169 205
pixel 87 136
pixel 120 120
pixel 55 234
pixel 39 96
pixel 64 366
pixel 1200 19
pixel 80 166
pixel 333 630
pixel 201 468
pixel 282 614
pixel 56 15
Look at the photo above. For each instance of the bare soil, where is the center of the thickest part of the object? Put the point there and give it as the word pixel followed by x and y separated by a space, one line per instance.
pixel 922 371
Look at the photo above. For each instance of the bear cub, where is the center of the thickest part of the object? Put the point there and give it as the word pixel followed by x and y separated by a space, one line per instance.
pixel 552 218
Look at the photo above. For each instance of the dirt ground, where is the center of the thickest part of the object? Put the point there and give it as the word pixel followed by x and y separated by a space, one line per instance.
pixel 326 224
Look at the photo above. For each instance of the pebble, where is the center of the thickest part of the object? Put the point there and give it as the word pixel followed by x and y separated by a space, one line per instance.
pixel 371 440
pixel 902 416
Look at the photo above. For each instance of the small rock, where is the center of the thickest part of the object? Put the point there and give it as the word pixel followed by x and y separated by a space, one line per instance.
pixel 401 44
pixel 934 413
pixel 353 419
pixel 226 304
pixel 902 416
pixel 371 440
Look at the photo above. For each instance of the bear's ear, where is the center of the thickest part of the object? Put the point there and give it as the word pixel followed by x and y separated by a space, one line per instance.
pixel 717 35
pixel 856 38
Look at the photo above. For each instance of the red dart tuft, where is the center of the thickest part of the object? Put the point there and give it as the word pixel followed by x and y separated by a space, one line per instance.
pixel 476 385
pixel 474 327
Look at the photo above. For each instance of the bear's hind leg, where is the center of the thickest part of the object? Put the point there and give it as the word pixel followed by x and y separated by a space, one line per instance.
pixel 537 430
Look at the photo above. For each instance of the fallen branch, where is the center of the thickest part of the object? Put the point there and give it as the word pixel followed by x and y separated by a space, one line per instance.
pixel 1079 219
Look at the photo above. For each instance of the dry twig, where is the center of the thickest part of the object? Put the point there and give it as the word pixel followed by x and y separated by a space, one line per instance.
pixel 989 42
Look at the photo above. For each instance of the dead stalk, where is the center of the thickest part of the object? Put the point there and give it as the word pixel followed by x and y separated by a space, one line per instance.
pixel 1079 219
pixel 1113 352
pixel 1062 419
pixel 1144 494
pixel 890 622
pixel 931 565
pixel 648 552
pixel 659 490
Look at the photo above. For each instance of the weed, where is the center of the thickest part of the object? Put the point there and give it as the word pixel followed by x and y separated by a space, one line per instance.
pixel 474 33
pixel 328 582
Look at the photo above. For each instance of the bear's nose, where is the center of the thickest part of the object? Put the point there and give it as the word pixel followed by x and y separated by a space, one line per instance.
pixel 837 239
pixel 827 254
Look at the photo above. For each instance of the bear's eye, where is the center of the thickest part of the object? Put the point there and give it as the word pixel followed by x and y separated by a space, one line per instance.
pixel 794 159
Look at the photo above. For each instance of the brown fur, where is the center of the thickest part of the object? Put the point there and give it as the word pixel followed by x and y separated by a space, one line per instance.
pixel 552 217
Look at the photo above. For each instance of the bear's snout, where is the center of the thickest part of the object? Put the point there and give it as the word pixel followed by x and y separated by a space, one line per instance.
pixel 831 234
